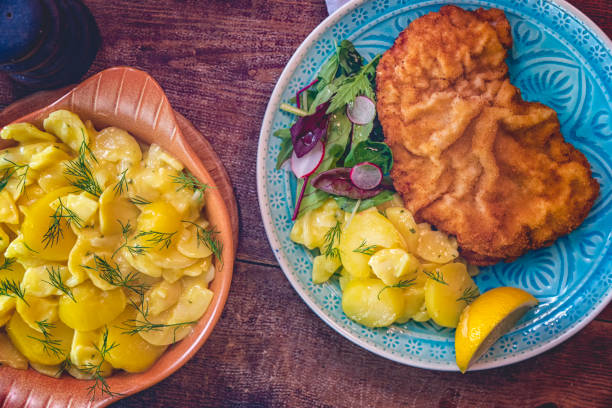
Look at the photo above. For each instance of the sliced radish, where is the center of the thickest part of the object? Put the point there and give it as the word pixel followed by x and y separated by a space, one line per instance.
pixel 307 164
pixel 366 175
pixel 362 111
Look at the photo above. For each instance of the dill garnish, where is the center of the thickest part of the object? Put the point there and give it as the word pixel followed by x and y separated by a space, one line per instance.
pixel 402 284
pixel 132 249
pixel 81 175
pixel 207 237
pixel 55 280
pixel 95 370
pixel 54 233
pixel 469 295
pixel 7 264
pixel 28 247
pixel 187 180
pixel 164 239
pixel 11 288
pixel 112 275
pixel 121 184
pixel 366 249
pixel 329 240
pixel 134 326
pixel 138 200
pixel 50 345
pixel 12 170
pixel 436 275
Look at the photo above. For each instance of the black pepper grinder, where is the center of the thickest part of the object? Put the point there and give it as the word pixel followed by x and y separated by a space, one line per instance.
pixel 46 43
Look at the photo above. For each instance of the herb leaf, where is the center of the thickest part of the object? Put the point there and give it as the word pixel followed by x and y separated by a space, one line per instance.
pixel 54 232
pixel 186 180
pixel 80 174
pixel 366 249
pixel 12 288
pixel 164 239
pixel 50 345
pixel 208 237
pixel 469 295
pixel 55 280
pixel 402 284
pixel 436 275
pixel 331 236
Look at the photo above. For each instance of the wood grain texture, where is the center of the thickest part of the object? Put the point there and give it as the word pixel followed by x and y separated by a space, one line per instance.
pixel 218 62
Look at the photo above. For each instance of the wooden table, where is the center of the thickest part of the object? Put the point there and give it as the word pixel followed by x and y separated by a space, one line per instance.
pixel 218 62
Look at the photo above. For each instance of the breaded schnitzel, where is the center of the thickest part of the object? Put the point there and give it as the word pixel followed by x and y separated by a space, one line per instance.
pixel 471 156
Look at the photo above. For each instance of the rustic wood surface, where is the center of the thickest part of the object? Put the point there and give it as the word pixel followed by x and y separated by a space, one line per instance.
pixel 218 62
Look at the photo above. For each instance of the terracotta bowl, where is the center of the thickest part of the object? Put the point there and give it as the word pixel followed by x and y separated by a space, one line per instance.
pixel 132 100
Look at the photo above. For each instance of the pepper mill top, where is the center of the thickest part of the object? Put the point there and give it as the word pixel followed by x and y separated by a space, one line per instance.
pixel 46 43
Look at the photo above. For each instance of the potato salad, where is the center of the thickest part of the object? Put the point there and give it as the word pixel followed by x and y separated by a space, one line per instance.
pixel 390 268
pixel 106 257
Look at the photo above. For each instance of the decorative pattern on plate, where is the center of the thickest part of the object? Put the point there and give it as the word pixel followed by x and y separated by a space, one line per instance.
pixel 559 58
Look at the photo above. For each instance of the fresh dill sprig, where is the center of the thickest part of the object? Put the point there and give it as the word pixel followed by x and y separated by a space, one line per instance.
pixel 11 288
pixel 7 264
pixel 208 237
pixel 134 326
pixel 12 170
pixel 54 232
pixel 187 180
pixel 366 249
pixel 164 239
pixel 329 240
pixel 436 275
pixel 112 275
pixel 138 200
pixel 122 184
pixel 49 344
pixel 55 280
pixel 469 295
pixel 80 172
pixel 28 248
pixel 401 284
pixel 95 370
pixel 132 249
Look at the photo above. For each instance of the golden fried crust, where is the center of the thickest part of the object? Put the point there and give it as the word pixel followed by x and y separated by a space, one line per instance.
pixel 471 156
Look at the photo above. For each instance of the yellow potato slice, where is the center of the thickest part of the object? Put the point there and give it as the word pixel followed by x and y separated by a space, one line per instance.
pixel 447 291
pixel 371 303
pixel 8 210
pixel 48 156
pixel 53 178
pixel 84 354
pixel 93 307
pixel 25 133
pixel 368 229
pixel 115 209
pixel 394 265
pixel 188 243
pixel 37 223
pixel 30 342
pixel 323 267
pixel 414 301
pixel 113 144
pixel 68 127
pixel 132 354
pixel 403 220
pixel 310 229
pixel 436 246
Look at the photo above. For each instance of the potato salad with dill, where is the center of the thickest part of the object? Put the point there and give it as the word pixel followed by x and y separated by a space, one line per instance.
pixel 390 268
pixel 106 257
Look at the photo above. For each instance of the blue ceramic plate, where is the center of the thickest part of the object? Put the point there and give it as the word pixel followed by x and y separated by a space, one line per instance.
pixel 559 58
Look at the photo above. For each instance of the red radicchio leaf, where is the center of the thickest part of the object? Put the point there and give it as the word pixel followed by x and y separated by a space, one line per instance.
pixel 338 182
pixel 308 130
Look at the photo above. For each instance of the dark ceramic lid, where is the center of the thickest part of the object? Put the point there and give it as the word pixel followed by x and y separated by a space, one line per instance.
pixel 21 22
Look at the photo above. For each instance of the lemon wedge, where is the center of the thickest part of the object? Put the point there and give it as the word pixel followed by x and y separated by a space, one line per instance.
pixel 489 317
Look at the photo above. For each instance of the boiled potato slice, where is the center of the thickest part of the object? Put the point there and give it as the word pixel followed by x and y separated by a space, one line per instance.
pixel 371 303
pixel 54 370
pixel 344 278
pixel 443 295
pixel 28 341
pixel 367 229
pixel 323 267
pixel 34 193
pixel 37 280
pixel 113 144
pixel 310 229
pixel 402 219
pixel 188 243
pixel 37 310
pixel 7 305
pixel 394 265
pixel 48 156
pixel 143 264
pixel 84 353
pixel 192 304
pixel 84 205
pixel 4 239
pixel 8 210
pixel 115 209
pixel 132 353
pixel 414 301
pixel 53 178
pixel 68 127
pixel 25 133
pixel 10 356
pixel 157 157
pixel 435 246
pixel 37 223
pixel 93 307
pixel 158 216
pixel 162 296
